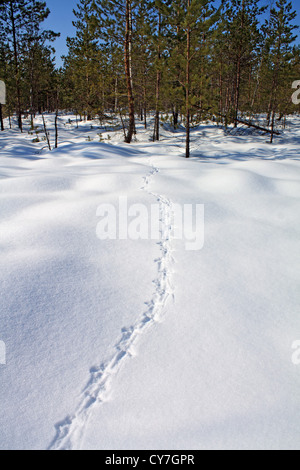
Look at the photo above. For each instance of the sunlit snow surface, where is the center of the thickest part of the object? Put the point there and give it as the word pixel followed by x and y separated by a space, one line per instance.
pixel 124 344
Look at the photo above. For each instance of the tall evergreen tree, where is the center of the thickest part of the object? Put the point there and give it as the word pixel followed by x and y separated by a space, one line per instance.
pixel 20 21
pixel 280 38
pixel 241 39
pixel 191 22
pixel 83 63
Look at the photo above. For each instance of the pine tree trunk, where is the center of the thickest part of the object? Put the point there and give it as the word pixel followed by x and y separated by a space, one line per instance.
pixel 272 127
pixel 122 122
pixel 227 104
pixel 116 95
pixel 16 61
pixel 128 72
pixel 56 118
pixel 56 130
pixel 145 107
pixel 272 103
pixel 1 118
pixel 237 92
pixel 156 135
pixel 175 117
pixel 46 133
pixel 238 73
pixel 221 88
pixel 188 55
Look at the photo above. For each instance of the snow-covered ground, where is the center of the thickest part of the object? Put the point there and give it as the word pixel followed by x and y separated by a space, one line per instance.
pixel 141 344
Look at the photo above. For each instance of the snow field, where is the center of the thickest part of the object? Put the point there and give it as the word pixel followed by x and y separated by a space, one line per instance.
pixel 141 344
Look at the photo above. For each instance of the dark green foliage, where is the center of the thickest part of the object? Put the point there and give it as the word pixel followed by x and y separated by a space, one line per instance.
pixel 26 62
pixel 186 61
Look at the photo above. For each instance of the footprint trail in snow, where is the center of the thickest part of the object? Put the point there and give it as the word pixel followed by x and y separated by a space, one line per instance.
pixel 70 432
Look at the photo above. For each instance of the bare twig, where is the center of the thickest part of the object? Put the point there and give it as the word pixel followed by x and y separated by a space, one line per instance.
pixel 46 133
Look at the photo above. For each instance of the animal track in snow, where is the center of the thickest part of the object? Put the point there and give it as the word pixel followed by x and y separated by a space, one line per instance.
pixel 70 432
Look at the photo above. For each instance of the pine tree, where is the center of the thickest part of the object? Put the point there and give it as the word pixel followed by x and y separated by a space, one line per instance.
pixel 82 65
pixel 190 20
pixel 159 46
pixel 20 21
pixel 241 40
pixel 280 41
pixel 3 74
pixel 128 69
pixel 38 61
pixel 174 56
pixel 116 33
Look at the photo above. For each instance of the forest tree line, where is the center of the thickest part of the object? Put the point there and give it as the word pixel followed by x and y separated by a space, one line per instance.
pixel 189 59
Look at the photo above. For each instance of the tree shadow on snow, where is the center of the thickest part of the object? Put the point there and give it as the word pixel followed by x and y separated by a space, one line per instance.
pixel 96 150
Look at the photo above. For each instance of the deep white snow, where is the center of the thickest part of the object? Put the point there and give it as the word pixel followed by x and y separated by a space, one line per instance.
pixel 141 344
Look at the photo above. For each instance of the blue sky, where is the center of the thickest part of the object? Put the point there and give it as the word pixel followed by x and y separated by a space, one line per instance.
pixel 60 21
pixel 61 17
